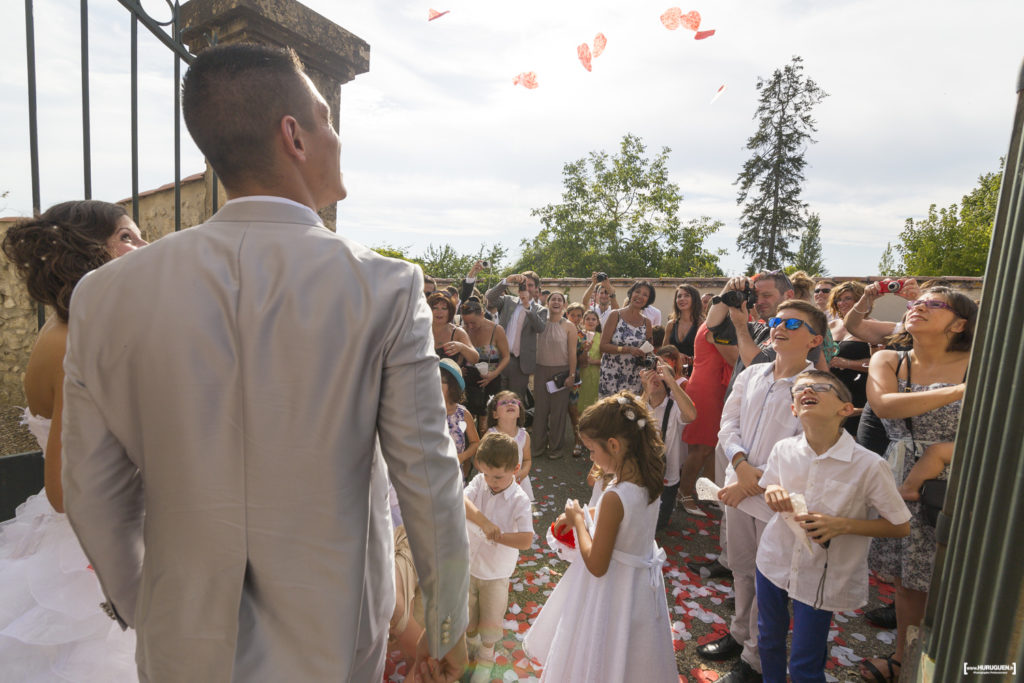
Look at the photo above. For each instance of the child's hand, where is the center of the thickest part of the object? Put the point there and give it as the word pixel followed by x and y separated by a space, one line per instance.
pixel 562 524
pixel 573 512
pixel 747 478
pixel 731 495
pixel 491 530
pixel 778 499
pixel 821 528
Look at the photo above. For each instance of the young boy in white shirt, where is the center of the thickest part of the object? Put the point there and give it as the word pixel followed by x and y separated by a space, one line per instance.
pixel 844 485
pixel 756 415
pixel 670 408
pixel 500 507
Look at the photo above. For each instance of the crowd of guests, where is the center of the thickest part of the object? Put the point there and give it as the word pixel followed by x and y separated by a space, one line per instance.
pixel 781 389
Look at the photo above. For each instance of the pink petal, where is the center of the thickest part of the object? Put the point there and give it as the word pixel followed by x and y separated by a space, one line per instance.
pixel 434 14
pixel 600 42
pixel 671 18
pixel 583 51
pixel 690 20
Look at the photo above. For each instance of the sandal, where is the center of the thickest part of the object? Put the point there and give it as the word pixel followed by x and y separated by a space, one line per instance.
pixel 691 507
pixel 876 675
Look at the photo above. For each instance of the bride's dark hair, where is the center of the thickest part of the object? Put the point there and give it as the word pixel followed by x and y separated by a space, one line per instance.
pixel 53 252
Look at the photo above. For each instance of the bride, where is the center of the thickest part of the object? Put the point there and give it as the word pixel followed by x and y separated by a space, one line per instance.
pixel 51 624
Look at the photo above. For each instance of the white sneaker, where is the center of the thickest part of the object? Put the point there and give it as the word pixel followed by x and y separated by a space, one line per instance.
pixel 484 664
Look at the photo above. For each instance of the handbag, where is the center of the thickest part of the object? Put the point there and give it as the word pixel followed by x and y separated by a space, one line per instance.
pixel 933 496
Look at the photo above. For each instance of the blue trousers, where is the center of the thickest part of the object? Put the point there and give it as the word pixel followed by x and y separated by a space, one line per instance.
pixel 810 636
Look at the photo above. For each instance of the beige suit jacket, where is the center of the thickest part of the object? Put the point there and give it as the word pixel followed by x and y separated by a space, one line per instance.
pixel 233 393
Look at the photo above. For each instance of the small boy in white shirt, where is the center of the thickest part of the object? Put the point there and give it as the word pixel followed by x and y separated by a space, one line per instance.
pixel 670 408
pixel 843 485
pixel 500 507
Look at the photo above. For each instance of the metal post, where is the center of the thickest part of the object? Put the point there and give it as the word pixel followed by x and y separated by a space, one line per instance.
pixel 176 33
pixel 135 118
pixel 33 128
pixel 86 129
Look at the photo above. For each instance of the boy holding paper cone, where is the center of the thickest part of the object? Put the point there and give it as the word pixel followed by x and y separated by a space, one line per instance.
pixel 843 488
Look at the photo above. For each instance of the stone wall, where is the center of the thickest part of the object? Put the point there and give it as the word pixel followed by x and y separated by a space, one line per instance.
pixel 18 328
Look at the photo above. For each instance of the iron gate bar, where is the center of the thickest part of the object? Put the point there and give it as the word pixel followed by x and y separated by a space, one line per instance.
pixel 154 27
pixel 135 118
pixel 33 129
pixel 176 34
pixel 86 128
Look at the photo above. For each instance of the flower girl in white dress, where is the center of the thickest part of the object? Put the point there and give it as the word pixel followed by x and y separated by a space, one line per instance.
pixel 51 625
pixel 607 620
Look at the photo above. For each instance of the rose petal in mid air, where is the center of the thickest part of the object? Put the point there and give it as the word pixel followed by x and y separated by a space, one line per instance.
pixel 600 42
pixel 701 35
pixel 671 18
pixel 527 79
pixel 583 51
pixel 434 14
pixel 690 20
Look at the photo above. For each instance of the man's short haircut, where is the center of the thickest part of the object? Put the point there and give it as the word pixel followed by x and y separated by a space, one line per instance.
pixel 533 276
pixel 815 317
pixel 842 391
pixel 233 98
pixel 781 280
pixel 498 450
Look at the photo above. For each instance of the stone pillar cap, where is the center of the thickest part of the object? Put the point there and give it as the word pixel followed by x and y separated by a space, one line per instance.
pixel 320 43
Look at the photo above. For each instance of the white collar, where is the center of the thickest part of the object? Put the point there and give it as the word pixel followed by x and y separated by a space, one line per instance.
pixel 841 449
pixel 273 199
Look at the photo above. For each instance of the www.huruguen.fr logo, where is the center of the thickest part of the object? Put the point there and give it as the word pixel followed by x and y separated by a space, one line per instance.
pixel 990 669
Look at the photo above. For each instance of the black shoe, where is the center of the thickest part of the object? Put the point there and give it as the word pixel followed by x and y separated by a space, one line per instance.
pixel 883 617
pixel 714 569
pixel 725 647
pixel 741 673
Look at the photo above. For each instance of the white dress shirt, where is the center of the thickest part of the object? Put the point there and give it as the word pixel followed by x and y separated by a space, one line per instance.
pixel 510 511
pixel 603 315
pixel 675 449
pixel 756 415
pixel 652 314
pixel 848 481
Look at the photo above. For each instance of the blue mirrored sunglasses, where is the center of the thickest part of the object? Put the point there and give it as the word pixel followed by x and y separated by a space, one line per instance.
pixel 789 323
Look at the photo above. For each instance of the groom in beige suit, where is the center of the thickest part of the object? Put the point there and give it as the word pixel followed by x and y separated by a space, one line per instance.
pixel 237 396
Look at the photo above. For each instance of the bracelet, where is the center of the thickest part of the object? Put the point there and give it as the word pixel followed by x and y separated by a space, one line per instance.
pixel 854 307
pixel 620 349
pixel 743 459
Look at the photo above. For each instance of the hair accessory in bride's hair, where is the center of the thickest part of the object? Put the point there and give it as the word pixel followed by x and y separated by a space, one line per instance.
pixel 622 400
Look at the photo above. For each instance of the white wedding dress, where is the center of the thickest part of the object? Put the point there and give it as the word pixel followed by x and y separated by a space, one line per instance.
pixel 51 625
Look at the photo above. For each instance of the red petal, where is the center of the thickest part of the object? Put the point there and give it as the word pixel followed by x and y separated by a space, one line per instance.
pixel 701 35
pixel 583 51
pixel 690 20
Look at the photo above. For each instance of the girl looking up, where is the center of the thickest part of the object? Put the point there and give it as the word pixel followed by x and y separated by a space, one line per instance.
pixel 607 620
pixel 461 427
pixel 505 414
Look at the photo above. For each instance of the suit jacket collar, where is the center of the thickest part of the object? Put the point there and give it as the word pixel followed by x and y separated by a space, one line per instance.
pixel 262 211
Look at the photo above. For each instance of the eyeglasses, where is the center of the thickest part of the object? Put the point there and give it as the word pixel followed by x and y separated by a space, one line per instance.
pixel 929 303
pixel 789 324
pixel 822 290
pixel 509 402
pixel 817 387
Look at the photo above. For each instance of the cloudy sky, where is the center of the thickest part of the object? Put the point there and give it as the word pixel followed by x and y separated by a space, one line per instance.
pixel 440 147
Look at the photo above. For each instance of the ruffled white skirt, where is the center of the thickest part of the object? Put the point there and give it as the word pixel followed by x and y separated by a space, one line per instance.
pixel 51 624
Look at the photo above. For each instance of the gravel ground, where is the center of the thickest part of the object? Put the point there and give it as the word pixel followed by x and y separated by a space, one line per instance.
pixel 14 437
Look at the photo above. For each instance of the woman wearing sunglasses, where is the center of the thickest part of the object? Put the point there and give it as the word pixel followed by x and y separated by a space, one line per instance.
pixel 918 395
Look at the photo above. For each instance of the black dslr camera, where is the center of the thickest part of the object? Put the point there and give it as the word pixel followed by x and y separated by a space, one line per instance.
pixel 601 277
pixel 648 362
pixel 735 299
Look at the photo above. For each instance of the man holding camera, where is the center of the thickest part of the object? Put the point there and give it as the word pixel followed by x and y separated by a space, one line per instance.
pixel 601 288
pixel 522 319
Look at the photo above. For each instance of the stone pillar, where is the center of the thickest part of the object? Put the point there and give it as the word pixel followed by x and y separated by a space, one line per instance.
pixel 331 55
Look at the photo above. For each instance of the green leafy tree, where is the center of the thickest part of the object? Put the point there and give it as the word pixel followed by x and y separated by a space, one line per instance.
pixel 770 182
pixel 953 240
pixel 887 266
pixel 809 257
pixel 446 262
pixel 392 251
pixel 619 214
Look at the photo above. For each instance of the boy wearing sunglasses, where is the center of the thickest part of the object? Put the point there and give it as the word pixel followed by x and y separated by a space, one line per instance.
pixel 846 487
pixel 756 416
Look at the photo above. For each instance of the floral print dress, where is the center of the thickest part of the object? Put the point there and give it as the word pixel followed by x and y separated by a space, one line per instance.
pixel 621 371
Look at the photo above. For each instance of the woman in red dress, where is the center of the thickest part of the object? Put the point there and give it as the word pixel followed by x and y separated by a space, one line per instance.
pixel 712 369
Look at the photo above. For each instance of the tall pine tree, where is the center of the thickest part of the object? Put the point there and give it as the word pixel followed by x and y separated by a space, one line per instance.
pixel 808 257
pixel 770 181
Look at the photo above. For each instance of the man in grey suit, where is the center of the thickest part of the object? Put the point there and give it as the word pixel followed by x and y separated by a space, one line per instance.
pixel 523 319
pixel 235 402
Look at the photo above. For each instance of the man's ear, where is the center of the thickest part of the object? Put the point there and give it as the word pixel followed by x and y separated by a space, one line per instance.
pixel 847 410
pixel 816 340
pixel 292 138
